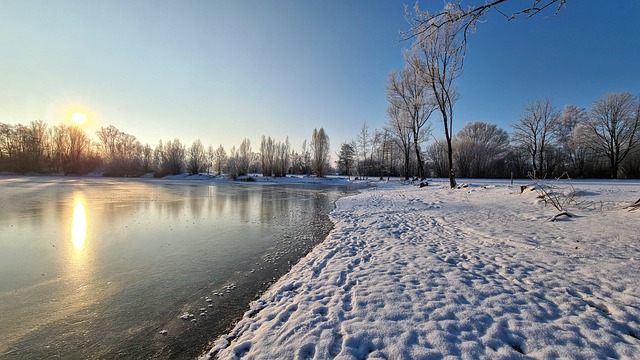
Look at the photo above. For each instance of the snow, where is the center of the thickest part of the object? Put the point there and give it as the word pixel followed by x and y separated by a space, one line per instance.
pixel 477 272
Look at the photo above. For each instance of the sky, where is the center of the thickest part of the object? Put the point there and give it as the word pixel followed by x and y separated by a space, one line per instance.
pixel 222 71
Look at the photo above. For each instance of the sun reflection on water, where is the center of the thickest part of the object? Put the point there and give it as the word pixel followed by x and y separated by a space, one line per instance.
pixel 78 258
pixel 79 225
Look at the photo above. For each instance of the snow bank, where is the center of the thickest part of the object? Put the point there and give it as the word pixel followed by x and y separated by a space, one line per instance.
pixel 479 272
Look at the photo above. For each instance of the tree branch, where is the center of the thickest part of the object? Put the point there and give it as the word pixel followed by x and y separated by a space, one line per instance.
pixel 424 22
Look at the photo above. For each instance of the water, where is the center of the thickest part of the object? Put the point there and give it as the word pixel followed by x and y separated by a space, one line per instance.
pixel 96 268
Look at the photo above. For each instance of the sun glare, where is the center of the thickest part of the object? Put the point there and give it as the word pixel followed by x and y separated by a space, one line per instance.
pixel 79 225
pixel 79 118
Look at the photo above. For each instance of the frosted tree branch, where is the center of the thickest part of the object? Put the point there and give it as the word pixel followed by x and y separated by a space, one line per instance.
pixel 424 22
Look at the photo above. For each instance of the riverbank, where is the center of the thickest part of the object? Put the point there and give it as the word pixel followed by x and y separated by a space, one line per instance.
pixel 476 272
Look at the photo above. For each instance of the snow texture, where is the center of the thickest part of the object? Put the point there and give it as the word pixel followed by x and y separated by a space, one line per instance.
pixel 471 273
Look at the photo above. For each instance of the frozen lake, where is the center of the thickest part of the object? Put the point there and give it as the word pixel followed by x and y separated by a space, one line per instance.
pixel 98 267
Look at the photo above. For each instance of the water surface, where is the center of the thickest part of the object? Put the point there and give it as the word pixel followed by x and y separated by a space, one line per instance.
pixel 96 268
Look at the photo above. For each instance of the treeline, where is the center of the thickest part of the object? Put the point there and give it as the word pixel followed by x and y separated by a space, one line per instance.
pixel 600 142
pixel 39 149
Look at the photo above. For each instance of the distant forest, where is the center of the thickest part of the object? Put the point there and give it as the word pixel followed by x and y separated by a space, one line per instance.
pixel 601 142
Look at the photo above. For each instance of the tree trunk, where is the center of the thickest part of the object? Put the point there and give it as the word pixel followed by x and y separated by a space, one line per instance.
pixel 614 171
pixel 406 165
pixel 452 177
pixel 419 159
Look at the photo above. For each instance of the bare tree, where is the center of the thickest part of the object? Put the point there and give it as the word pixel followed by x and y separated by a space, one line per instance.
pixel 74 149
pixel 409 92
pixel 437 153
pixel 197 161
pixel 363 141
pixel 630 167
pixel 78 143
pixel 320 148
pixel 172 157
pixel 158 156
pixel 385 151
pixel 574 151
pixel 535 131
pixel 5 140
pixel 305 158
pixel 211 154
pixel 60 145
pixel 147 158
pixel 480 150
pixel 232 163
pixel 267 155
pixel 301 162
pixel 442 38
pixel 219 159
pixel 374 159
pixel 400 127
pixel 24 148
pixel 243 157
pixel 108 140
pixel 37 143
pixel 441 50
pixel 613 128
pixel 282 160
pixel 122 153
pixel 346 158
pixel 274 156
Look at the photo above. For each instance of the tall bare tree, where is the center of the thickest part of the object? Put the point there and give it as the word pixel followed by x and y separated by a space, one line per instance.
pixel 400 126
pixel 442 51
pixel 267 155
pixel 147 158
pixel 219 159
pixel 536 130
pixel 573 150
pixel 613 128
pixel 305 158
pixel 243 157
pixel 320 148
pixel 363 142
pixel 282 158
pixel 37 144
pixel 411 93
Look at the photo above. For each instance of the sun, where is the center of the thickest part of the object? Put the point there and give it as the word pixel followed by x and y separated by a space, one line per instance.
pixel 79 118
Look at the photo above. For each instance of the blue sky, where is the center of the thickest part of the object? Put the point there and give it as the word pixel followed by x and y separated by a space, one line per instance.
pixel 221 71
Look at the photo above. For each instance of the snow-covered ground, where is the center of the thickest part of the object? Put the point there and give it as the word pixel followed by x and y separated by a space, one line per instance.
pixel 477 272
